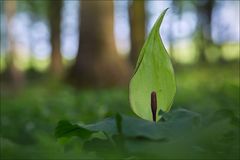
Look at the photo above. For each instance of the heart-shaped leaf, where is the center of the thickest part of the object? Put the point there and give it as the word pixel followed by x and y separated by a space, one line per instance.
pixel 177 122
pixel 152 87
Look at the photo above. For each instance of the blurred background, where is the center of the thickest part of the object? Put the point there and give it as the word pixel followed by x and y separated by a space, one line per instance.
pixel 73 60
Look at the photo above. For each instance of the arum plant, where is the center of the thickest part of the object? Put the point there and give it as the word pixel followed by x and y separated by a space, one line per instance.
pixel 152 90
pixel 152 87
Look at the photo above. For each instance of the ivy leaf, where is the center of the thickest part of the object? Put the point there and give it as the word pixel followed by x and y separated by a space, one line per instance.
pixel 153 75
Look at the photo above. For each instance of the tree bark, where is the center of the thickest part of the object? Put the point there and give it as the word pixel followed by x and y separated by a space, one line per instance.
pixel 137 28
pixel 97 62
pixel 204 11
pixel 55 8
pixel 12 74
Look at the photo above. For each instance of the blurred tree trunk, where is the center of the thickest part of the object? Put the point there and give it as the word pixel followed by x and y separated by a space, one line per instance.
pixel 176 6
pixel 12 73
pixel 97 62
pixel 137 26
pixel 204 13
pixel 55 8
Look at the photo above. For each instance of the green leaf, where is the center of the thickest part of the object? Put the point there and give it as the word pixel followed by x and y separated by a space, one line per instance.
pixel 153 72
pixel 184 134
pixel 178 122
pixel 66 129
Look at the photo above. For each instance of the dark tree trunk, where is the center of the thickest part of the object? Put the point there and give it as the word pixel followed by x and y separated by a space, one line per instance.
pixel 97 63
pixel 137 27
pixel 204 11
pixel 55 8
pixel 12 74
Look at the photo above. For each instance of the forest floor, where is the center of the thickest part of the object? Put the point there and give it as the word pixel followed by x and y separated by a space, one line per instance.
pixel 29 116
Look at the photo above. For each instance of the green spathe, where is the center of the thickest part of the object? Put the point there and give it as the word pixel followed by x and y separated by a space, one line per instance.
pixel 153 72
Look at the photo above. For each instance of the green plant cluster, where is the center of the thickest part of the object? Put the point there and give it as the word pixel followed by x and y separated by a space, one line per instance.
pixel 209 93
pixel 180 134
